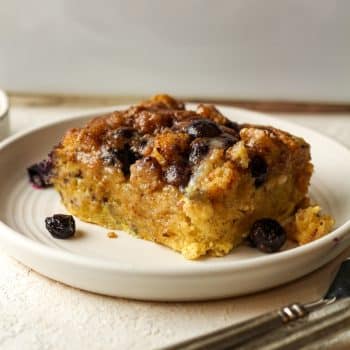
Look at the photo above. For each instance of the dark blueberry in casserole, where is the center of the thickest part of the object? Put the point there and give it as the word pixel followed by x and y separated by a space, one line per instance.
pixel 258 170
pixel 123 132
pixel 177 174
pixel 124 158
pixel 227 140
pixel 233 125
pixel 198 150
pixel 203 128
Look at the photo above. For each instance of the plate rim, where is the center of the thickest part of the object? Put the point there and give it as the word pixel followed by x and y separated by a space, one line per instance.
pixel 18 239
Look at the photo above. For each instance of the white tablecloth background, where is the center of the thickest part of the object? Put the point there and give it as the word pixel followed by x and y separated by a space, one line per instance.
pixel 38 313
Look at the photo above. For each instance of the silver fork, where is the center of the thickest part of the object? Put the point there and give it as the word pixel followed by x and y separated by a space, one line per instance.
pixel 236 336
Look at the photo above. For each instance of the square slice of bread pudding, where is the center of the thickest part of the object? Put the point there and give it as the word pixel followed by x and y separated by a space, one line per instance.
pixel 193 181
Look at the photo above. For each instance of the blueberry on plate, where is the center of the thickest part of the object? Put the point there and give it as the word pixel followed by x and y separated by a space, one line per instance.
pixel 40 174
pixel 60 225
pixel 267 235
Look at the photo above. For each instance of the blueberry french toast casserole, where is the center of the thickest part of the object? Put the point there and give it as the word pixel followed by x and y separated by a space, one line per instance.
pixel 191 180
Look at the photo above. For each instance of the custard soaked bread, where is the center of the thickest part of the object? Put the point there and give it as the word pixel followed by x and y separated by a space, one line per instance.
pixel 190 180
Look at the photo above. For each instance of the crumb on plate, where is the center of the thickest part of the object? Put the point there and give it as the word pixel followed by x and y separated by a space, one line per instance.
pixel 112 234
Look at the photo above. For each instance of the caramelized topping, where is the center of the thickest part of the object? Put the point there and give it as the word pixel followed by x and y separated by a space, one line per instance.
pixel 176 139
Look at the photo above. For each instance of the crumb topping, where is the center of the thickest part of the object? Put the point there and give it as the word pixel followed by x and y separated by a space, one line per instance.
pixel 160 139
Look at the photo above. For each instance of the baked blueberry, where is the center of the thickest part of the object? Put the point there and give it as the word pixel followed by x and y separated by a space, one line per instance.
pixel 40 173
pixel 177 174
pixel 233 125
pixel 198 150
pixel 267 235
pixel 60 225
pixel 258 170
pixel 227 140
pixel 123 132
pixel 124 158
pixel 203 128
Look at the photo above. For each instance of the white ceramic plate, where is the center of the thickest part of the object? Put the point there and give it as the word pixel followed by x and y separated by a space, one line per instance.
pixel 130 267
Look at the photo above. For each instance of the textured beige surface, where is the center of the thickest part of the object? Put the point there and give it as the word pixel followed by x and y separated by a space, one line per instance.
pixel 38 313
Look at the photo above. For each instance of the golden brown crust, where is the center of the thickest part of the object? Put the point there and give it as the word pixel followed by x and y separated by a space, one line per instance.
pixel 158 128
